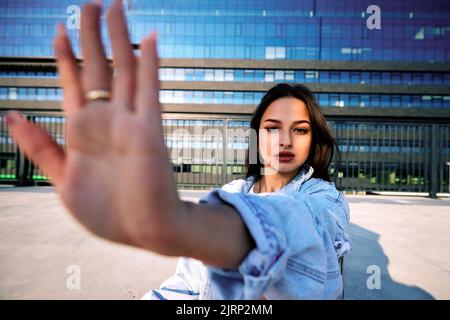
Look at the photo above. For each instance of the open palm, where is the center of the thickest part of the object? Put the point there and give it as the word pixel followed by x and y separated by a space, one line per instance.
pixel 115 175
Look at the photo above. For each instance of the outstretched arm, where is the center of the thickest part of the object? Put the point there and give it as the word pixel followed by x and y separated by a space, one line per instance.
pixel 115 176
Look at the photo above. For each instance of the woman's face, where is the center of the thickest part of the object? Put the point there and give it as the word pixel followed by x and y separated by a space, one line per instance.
pixel 285 135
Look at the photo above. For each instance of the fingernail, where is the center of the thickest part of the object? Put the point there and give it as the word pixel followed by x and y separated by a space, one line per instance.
pixel 13 117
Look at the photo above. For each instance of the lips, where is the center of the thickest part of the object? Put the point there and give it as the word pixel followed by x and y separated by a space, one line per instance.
pixel 285 156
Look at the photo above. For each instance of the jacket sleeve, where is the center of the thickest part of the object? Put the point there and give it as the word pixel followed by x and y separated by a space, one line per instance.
pixel 332 213
pixel 285 233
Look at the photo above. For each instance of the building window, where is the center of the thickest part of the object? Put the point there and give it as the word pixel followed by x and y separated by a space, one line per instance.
pixel 249 75
pixel 219 75
pixel 275 53
pixel 179 75
pixel 334 77
pixel 289 75
pixel 279 75
pixel 270 53
pixel 311 76
pixel 355 77
pixel 12 95
pixel 229 75
pixel 269 76
pixel 280 53
pixel 209 75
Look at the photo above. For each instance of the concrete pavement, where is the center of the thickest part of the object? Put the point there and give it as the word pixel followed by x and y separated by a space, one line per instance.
pixel 42 248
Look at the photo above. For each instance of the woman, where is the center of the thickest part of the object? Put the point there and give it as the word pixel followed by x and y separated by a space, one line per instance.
pixel 298 226
pixel 115 177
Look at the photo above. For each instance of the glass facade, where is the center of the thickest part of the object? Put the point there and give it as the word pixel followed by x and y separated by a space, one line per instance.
pixel 303 76
pixel 276 75
pixel 250 29
pixel 252 98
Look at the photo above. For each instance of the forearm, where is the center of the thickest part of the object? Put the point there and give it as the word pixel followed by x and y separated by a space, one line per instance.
pixel 218 235
pixel 214 234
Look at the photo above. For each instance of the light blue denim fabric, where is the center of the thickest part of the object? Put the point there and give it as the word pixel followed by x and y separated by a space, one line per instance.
pixel 299 231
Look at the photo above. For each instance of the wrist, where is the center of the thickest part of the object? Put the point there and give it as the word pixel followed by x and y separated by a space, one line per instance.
pixel 161 235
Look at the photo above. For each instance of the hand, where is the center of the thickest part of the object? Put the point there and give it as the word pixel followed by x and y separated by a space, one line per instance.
pixel 115 176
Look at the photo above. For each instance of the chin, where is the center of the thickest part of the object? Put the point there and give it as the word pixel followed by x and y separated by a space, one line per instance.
pixel 288 167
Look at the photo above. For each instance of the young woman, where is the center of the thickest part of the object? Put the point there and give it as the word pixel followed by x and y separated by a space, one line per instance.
pixel 295 215
pixel 276 234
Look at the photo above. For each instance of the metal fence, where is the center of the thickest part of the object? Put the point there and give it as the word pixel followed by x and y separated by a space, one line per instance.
pixel 402 157
pixel 208 151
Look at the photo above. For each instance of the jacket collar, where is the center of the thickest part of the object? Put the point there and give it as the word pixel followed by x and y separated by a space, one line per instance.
pixel 244 185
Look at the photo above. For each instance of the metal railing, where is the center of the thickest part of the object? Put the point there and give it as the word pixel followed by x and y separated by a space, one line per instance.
pixel 206 152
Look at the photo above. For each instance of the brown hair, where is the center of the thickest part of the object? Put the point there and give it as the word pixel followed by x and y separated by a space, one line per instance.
pixel 323 142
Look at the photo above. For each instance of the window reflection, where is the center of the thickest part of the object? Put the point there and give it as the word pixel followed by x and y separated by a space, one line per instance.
pixel 253 98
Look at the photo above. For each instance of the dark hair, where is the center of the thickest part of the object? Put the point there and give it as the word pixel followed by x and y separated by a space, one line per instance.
pixel 323 142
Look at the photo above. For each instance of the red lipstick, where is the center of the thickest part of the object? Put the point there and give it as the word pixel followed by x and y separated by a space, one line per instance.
pixel 285 156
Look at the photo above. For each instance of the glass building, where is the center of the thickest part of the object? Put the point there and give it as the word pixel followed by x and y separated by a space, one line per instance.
pixel 381 75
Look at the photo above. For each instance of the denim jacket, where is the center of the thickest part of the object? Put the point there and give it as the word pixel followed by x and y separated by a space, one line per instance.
pixel 299 232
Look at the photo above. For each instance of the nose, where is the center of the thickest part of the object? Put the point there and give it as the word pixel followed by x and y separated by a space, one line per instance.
pixel 285 138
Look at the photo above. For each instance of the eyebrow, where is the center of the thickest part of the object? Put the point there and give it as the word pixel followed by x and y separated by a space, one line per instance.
pixel 295 122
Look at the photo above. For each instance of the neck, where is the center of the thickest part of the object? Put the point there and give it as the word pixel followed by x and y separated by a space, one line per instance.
pixel 274 182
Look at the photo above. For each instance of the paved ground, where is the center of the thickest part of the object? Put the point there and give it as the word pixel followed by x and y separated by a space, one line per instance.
pixel 42 249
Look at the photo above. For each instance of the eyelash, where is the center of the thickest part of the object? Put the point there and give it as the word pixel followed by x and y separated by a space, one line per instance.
pixel 303 131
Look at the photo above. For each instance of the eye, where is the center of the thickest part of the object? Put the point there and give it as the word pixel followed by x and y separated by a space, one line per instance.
pixel 271 129
pixel 301 130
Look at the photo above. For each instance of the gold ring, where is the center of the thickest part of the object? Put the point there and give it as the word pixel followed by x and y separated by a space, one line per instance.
pixel 98 95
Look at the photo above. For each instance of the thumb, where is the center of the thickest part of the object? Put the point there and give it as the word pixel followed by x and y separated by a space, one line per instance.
pixel 37 145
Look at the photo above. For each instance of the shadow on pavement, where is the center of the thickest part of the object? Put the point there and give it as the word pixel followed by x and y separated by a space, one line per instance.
pixel 366 252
